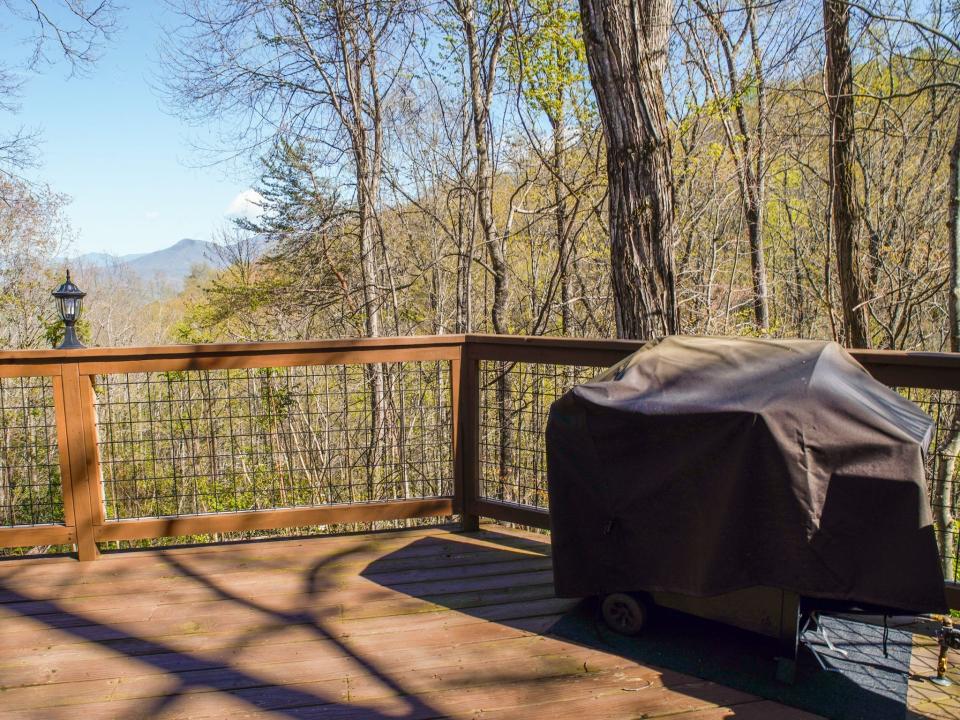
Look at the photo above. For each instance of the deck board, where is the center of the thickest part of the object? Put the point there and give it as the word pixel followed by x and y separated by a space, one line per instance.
pixel 414 624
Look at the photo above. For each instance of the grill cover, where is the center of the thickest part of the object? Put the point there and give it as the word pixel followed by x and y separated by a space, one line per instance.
pixel 706 465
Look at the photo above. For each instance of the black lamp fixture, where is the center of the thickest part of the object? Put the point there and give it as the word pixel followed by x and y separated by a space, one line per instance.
pixel 69 302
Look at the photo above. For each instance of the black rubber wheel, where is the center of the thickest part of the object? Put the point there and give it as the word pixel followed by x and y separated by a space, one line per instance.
pixel 623 613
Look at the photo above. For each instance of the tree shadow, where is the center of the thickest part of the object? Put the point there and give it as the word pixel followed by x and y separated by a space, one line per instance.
pixel 195 673
pixel 869 686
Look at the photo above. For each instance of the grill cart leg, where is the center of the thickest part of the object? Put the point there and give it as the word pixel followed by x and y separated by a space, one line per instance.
pixel 949 637
pixel 624 613
pixel 788 638
pixel 812 626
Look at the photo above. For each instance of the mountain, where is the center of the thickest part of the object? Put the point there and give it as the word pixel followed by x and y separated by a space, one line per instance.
pixel 172 264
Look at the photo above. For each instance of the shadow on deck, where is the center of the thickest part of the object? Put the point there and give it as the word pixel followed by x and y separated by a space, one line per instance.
pixel 414 624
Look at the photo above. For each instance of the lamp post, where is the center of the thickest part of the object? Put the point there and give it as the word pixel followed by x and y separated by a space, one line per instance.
pixel 69 302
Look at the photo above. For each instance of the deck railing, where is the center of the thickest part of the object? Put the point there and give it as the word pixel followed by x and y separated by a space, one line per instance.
pixel 124 444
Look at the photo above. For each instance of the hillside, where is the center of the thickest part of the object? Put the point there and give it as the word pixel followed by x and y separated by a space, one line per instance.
pixel 172 264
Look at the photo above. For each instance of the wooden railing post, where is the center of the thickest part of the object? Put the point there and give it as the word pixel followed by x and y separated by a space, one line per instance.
pixel 465 375
pixel 82 487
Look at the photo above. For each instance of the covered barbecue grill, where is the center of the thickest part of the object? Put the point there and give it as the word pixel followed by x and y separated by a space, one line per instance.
pixel 698 468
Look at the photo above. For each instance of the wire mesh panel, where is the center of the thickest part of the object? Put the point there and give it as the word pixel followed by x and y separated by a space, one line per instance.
pixel 515 400
pixel 194 442
pixel 30 488
pixel 942 468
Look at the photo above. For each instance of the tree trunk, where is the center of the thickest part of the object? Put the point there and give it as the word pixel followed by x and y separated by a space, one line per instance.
pixel 950 447
pixel 480 97
pixel 560 226
pixel 844 217
pixel 482 69
pixel 747 143
pixel 626 43
pixel 754 157
pixel 953 225
pixel 758 265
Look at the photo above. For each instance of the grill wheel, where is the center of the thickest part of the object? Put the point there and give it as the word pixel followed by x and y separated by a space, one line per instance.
pixel 625 614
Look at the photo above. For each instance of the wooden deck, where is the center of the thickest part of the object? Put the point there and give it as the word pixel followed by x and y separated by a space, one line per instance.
pixel 415 624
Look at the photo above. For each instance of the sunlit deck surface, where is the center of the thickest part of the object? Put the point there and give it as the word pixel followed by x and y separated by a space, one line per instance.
pixel 411 624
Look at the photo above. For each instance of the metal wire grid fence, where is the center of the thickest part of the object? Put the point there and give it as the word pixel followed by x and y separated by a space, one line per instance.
pixel 513 462
pixel 30 489
pixel 209 441
pixel 942 467
pixel 515 400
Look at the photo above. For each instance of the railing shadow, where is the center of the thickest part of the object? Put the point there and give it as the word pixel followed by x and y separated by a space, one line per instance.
pixel 500 580
pixel 871 687
pixel 195 673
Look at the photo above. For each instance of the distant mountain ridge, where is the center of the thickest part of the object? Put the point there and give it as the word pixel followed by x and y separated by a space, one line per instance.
pixel 172 264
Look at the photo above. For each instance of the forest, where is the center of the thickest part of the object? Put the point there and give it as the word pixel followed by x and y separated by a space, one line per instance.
pixel 629 168
pixel 442 167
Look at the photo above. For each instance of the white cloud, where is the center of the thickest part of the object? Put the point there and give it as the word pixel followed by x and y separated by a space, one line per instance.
pixel 247 204
pixel 152 215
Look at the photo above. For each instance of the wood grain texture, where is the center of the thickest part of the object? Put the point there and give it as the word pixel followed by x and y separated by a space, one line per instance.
pixel 74 413
pixel 513 513
pixel 31 535
pixel 415 624
pixel 467 486
pixel 225 349
pixel 270 519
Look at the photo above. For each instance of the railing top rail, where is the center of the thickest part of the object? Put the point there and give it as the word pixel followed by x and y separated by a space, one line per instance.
pixel 886 357
pixel 914 358
pixel 99 354
pixel 547 341
pixel 892 366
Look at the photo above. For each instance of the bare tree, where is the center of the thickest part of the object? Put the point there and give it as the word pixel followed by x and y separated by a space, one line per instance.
pixel 547 66
pixel 736 74
pixel 483 35
pixel 315 72
pixel 72 30
pixel 844 213
pixel 33 232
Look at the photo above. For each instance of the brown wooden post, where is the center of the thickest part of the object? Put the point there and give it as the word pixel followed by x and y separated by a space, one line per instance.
pixel 66 482
pixel 92 448
pixel 464 372
pixel 78 455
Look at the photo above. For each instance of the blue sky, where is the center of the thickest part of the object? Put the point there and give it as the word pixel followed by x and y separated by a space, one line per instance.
pixel 106 141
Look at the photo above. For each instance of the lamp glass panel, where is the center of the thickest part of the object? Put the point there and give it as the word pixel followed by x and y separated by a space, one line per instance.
pixel 69 308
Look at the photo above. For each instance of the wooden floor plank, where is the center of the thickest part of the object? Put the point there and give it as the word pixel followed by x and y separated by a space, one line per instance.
pixel 224 627
pixel 148 657
pixel 363 601
pixel 331 590
pixel 421 623
pixel 401 568
pixel 168 570
pixel 170 588
pixel 149 563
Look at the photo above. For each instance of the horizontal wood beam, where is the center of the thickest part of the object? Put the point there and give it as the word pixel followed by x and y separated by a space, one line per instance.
pixel 29 369
pixel 511 512
pixel 599 358
pixel 550 350
pixel 548 341
pixel 272 519
pixel 902 368
pixel 85 355
pixel 424 353
pixel 912 369
pixel 33 535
